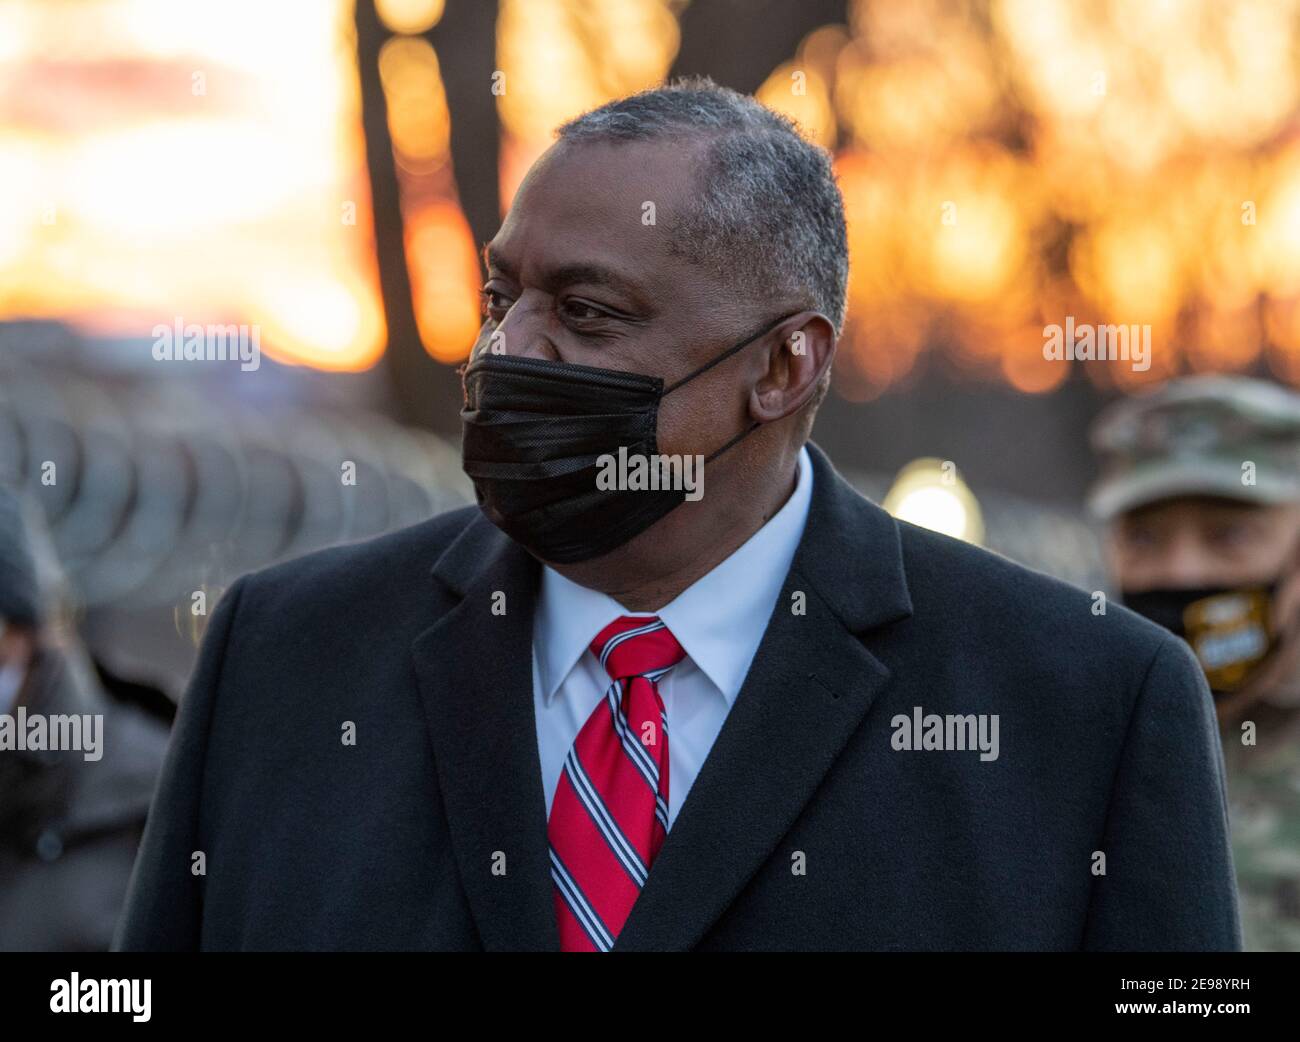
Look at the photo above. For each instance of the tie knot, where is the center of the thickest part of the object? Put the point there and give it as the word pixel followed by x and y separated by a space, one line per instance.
pixel 637 647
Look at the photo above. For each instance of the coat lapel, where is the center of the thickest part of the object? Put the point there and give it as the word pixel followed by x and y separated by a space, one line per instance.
pixel 474 672
pixel 809 687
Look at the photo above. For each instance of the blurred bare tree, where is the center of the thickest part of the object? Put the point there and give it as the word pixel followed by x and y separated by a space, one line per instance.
pixel 426 392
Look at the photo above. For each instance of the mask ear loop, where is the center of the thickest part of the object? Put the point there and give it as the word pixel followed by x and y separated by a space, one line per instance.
pixel 722 358
pixel 743 434
pixel 728 353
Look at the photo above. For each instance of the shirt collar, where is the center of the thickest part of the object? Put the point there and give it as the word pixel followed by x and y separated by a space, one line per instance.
pixel 719 619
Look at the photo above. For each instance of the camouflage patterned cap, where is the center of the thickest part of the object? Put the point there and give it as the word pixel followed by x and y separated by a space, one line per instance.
pixel 1195 436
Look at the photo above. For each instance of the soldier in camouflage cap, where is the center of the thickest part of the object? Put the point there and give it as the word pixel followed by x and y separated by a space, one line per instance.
pixel 1227 436
pixel 1200 493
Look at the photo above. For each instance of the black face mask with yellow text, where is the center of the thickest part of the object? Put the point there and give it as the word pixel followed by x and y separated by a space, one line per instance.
pixel 1228 628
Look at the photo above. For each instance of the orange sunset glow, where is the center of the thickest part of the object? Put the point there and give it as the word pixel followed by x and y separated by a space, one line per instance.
pixel 203 160
pixel 1005 164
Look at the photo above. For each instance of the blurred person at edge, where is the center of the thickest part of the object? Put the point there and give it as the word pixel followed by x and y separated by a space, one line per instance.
pixel 1200 491
pixel 69 826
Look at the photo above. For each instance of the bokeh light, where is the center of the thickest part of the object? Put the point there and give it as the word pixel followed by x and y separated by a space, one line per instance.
pixel 1005 164
pixel 203 160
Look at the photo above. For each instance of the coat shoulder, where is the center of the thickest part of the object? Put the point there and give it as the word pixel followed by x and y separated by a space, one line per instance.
pixel 372 574
pixel 983 597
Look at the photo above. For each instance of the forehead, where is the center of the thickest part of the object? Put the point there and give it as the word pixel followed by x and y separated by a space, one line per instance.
pixel 596 203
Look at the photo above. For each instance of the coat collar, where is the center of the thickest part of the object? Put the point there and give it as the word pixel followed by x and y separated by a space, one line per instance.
pixel 808 689
pixel 851 552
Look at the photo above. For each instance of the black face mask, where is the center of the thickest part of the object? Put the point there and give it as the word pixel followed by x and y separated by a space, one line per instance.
pixel 532 433
pixel 1228 628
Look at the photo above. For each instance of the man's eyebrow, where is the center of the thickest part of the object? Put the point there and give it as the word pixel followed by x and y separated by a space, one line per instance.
pixel 591 273
pixel 594 274
pixel 493 260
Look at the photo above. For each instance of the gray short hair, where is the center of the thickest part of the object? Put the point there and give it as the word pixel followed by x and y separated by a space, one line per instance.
pixel 768 215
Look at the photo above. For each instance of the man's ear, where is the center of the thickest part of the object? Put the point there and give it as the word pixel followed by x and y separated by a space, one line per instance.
pixel 801 352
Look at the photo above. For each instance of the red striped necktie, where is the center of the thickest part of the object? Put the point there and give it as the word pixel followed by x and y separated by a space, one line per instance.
pixel 610 812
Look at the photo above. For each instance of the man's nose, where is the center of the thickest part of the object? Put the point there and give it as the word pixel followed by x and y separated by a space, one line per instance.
pixel 1188 563
pixel 523 331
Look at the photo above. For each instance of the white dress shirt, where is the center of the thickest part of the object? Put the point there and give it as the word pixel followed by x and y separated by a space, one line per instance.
pixel 718 620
